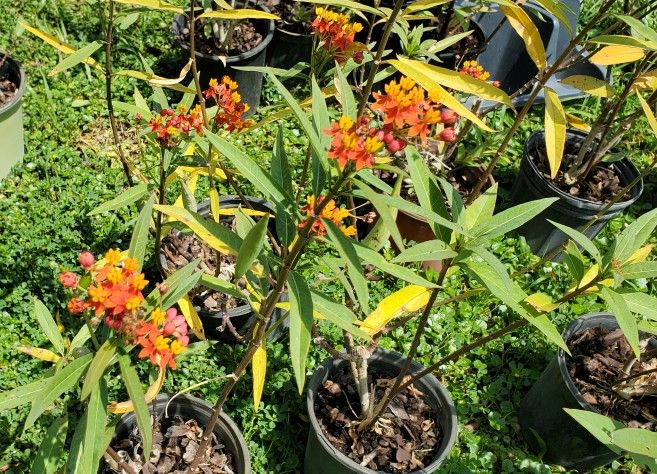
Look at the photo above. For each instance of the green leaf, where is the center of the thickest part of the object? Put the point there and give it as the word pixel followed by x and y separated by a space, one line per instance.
pixel 218 284
pixel 336 266
pixel 600 426
pixel 79 339
pixel 560 12
pixel 422 212
pixel 105 356
pixel 337 313
pixel 301 321
pixel 263 181
pixel 636 440
pixel 635 235
pixel 140 233
pixel 319 175
pixel 94 428
pixel 280 167
pixel 481 210
pixel 510 219
pixel 251 247
pixel 640 270
pixel 374 258
pixel 347 251
pixel 61 382
pixel 48 456
pixel 356 7
pixel 427 192
pixel 174 281
pixel 188 198
pixel 386 214
pixel 136 393
pixel 345 95
pixel 639 28
pixel 124 199
pixel 580 239
pixel 24 394
pixel 75 451
pixel 75 58
pixel 179 289
pixel 429 250
pixel 641 304
pixel 49 326
pixel 286 227
pixel 624 317
pixel 574 260
pixel 455 202
pixel 321 117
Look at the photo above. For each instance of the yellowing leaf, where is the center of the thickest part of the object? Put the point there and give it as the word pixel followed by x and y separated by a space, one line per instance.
pixel 588 84
pixel 161 81
pixel 588 277
pixel 541 302
pixel 429 83
pixel 522 23
pixel 151 393
pixel 616 54
pixel 156 81
pixel 152 4
pixel 641 254
pixel 407 300
pixel 285 306
pixel 37 352
pixel 259 369
pixel 52 41
pixel 191 171
pixel 577 123
pixel 555 130
pixel 191 316
pixel 215 204
pixel 239 14
pixel 647 80
pixel 648 113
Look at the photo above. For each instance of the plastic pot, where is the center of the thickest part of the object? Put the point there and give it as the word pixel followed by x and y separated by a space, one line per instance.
pixel 547 427
pixel 242 317
pixel 569 210
pixel 209 66
pixel 289 49
pixel 323 458
pixel 188 407
pixel 11 117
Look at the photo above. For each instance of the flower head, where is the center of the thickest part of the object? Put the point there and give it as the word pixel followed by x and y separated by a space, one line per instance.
pixel 68 279
pixel 163 337
pixel 355 141
pixel 330 212
pixel 229 102
pixel 168 126
pixel 337 34
pixel 474 69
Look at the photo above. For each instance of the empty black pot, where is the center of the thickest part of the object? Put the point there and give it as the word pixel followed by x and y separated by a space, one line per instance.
pixel 531 184
pixel 190 408
pixel 209 66
pixel 323 458
pixel 290 49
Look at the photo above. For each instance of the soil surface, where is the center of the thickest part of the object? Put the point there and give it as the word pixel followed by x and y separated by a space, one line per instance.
pixel 175 443
pixel 404 439
pixel 601 185
pixel 245 38
pixel 465 178
pixel 295 17
pixel 596 365
pixel 8 87
pixel 180 249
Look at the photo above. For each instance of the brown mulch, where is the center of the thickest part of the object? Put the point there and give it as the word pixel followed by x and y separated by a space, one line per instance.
pixel 8 87
pixel 175 444
pixel 596 365
pixel 245 38
pixel 404 439
pixel 290 12
pixel 601 185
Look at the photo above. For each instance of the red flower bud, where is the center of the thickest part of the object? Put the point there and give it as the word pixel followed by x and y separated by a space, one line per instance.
pixel 75 306
pixel 394 146
pixel 388 138
pixel 447 135
pixel 448 116
pixel 165 112
pixel 86 260
pixel 496 83
pixel 68 279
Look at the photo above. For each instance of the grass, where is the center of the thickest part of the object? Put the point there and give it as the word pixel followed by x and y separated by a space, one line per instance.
pixel 69 169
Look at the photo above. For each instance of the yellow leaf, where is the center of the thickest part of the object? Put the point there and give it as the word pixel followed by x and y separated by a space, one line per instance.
pixel 640 255
pixel 240 14
pixel 411 70
pixel 52 41
pixel 577 123
pixel 151 393
pixel 38 353
pixel 541 302
pixel 153 4
pixel 588 277
pixel 522 23
pixel 215 208
pixel 191 316
pixel 161 81
pixel 421 5
pixel 407 300
pixel 616 54
pixel 285 306
pixel 647 80
pixel 555 130
pixel 259 369
pixel 457 81
pixel 648 113
pixel 588 84
pixel 152 78
pixel 191 171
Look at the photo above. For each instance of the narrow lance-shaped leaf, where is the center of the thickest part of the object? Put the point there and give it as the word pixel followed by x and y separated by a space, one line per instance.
pixel 124 199
pixel 22 395
pixel 259 370
pixel 103 358
pixel 173 281
pixel 345 95
pixel 580 239
pixel 48 325
pixel 280 166
pixel 407 300
pixel 136 393
pixel 153 4
pixel 429 250
pixel 140 233
pixel 374 258
pixel 54 42
pixel 301 321
pixel 600 426
pixel 48 456
pixel 526 29
pixel 239 14
pixel 652 121
pixel 588 84
pixel 640 28
pixel 640 270
pixel 386 213
pixel 634 236
pixel 251 247
pixel 636 440
pixel 481 209
pixel 76 58
pixel 616 54
pixel 337 313
pixel 624 317
pixel 96 418
pixel 555 130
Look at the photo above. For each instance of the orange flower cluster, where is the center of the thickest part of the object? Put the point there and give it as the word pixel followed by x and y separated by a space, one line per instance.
pixel 169 125
pixel 330 212
pixel 407 110
pixel 476 70
pixel 163 337
pixel 355 141
pixel 229 102
pixel 337 34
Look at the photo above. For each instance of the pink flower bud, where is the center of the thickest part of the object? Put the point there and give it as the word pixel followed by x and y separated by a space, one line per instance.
pixel 447 135
pixel 162 287
pixel 68 279
pixel 86 260
pixel 394 146
pixel 448 116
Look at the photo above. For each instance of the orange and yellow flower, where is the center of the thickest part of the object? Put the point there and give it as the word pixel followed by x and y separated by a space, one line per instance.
pixel 230 106
pixel 337 34
pixel 355 142
pixel 168 125
pixel 164 337
pixel 330 212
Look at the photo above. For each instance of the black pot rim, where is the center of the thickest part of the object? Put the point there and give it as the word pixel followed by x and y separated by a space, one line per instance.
pixel 322 372
pixel 180 20
pixel 573 200
pixel 16 65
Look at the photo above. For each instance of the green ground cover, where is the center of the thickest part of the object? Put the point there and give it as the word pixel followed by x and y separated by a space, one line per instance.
pixel 69 169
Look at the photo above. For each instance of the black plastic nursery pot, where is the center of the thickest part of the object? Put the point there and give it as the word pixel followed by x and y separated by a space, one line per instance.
pixel 547 427
pixel 531 184
pixel 289 49
pixel 188 408
pixel 11 116
pixel 323 458
pixel 209 66
pixel 242 317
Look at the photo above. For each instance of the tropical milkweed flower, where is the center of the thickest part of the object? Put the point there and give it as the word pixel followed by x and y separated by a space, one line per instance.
pixel 476 70
pixel 229 102
pixel 355 141
pixel 163 337
pixel 169 125
pixel 330 212
pixel 68 279
pixel 337 34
